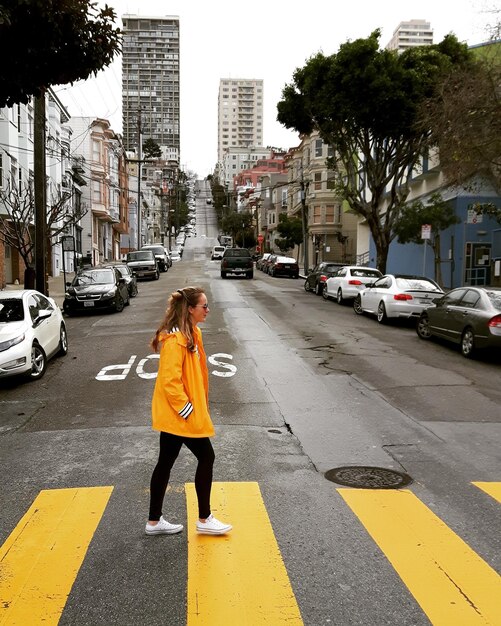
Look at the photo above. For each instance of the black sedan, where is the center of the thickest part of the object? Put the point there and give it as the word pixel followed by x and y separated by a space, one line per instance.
pixel 468 316
pixel 317 277
pixel 96 288
pixel 130 278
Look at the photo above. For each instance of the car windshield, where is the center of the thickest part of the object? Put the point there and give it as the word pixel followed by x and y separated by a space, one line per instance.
pixel 362 273
pixel 94 277
pixel 495 298
pixel 139 256
pixel 11 310
pixel 156 249
pixel 418 284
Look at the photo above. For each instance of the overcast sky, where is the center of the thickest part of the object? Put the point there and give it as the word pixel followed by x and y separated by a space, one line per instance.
pixel 263 39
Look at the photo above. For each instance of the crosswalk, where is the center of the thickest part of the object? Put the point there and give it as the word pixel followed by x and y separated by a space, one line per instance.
pixel 451 583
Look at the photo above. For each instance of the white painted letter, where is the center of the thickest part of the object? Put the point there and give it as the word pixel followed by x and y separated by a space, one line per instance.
pixel 125 367
pixel 227 366
pixel 140 367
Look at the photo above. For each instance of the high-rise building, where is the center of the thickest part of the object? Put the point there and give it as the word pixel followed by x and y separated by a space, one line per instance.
pixel 240 114
pixel 150 82
pixel 410 34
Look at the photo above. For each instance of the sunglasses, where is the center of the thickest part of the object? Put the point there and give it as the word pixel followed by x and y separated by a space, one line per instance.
pixel 204 306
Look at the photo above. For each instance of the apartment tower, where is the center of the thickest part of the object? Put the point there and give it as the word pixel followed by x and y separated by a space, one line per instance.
pixel 150 82
pixel 410 34
pixel 240 114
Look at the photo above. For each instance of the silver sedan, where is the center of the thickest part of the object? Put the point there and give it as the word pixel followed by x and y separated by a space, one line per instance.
pixel 397 296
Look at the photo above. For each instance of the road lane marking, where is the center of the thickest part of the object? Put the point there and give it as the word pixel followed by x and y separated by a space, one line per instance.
pixel 492 489
pixel 41 558
pixel 451 583
pixel 239 578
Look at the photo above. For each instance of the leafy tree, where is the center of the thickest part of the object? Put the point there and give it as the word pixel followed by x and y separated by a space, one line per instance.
pixel 239 226
pixel 151 149
pixel 16 226
pixel 438 213
pixel 291 229
pixel 52 42
pixel 364 102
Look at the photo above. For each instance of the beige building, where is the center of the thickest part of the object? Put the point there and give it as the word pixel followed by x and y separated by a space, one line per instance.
pixel 411 34
pixel 240 114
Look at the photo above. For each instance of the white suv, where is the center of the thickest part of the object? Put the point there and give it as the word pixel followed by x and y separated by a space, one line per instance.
pixel 217 252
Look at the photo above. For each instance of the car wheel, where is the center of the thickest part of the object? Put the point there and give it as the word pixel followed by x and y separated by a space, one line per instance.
pixel 119 304
pixel 157 275
pixel 357 305
pixel 423 327
pixel 38 362
pixel 127 302
pixel 339 296
pixel 307 287
pixel 63 341
pixel 468 343
pixel 223 274
pixel 250 274
pixel 318 289
pixel 325 293
pixel 382 318
pixel 134 292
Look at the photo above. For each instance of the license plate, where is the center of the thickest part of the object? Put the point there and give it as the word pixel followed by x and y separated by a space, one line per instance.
pixel 89 303
pixel 287 267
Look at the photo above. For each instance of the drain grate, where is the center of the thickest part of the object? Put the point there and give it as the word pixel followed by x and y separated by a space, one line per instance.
pixel 366 477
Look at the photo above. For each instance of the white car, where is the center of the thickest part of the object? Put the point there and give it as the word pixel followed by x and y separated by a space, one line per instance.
pixel 217 252
pixel 175 256
pixel 32 330
pixel 349 282
pixel 397 295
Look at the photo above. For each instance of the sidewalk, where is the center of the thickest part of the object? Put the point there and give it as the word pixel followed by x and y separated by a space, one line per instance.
pixel 56 287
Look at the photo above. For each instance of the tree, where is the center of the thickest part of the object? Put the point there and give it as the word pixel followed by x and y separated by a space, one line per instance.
pixel 239 226
pixel 17 225
pixel 438 213
pixel 291 230
pixel 151 149
pixel 52 42
pixel 464 117
pixel 364 103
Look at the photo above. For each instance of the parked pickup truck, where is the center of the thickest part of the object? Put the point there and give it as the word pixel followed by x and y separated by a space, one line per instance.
pixel 237 261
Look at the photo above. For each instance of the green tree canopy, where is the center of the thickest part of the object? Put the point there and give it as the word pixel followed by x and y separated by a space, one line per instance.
pixel 364 102
pixel 151 149
pixel 438 213
pixel 291 230
pixel 52 42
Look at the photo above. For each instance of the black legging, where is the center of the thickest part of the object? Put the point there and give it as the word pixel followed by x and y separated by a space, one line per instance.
pixel 170 445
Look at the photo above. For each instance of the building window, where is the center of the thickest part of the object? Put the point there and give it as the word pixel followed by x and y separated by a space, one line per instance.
pixel 317 215
pixel 1 171
pixel 96 150
pixel 329 213
pixel 318 181
pixel 318 147
pixel 96 191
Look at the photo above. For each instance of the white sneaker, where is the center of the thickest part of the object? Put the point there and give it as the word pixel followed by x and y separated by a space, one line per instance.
pixel 213 526
pixel 163 528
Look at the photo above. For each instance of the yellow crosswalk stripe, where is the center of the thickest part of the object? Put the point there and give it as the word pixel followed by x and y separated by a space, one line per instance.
pixel 238 578
pixel 452 584
pixel 40 559
pixel 492 489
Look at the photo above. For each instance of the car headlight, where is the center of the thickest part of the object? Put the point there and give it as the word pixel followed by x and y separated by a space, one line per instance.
pixel 69 294
pixel 111 293
pixel 5 345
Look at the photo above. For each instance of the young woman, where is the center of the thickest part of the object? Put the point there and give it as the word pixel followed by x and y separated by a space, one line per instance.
pixel 180 408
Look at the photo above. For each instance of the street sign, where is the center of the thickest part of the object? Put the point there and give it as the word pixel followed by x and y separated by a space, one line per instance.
pixel 68 243
pixel 474 217
pixel 260 238
pixel 426 231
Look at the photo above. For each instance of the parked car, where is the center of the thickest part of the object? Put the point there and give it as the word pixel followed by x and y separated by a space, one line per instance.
pixel 175 256
pixel 217 252
pixel 32 330
pixel 468 316
pixel 396 295
pixel 143 264
pixel 96 288
pixel 161 255
pixel 130 277
pixel 262 260
pixel 316 278
pixel 266 265
pixel 348 281
pixel 284 266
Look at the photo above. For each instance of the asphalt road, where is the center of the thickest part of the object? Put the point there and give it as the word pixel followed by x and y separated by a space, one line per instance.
pixel 298 386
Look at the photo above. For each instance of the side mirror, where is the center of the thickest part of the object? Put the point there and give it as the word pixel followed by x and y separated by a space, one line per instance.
pixel 42 315
pixel 68 284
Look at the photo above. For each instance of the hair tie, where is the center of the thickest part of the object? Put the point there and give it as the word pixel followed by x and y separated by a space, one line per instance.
pixel 184 295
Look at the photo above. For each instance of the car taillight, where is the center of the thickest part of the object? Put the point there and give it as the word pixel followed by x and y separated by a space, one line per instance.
pixel 495 322
pixel 402 296
pixel 278 264
pixel 322 278
pixel 355 282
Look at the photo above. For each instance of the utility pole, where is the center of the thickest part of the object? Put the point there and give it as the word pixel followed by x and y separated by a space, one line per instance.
pixel 139 162
pixel 304 216
pixel 39 174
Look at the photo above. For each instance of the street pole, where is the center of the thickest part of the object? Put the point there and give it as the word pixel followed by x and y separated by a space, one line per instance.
pixel 39 174
pixel 304 217
pixel 139 159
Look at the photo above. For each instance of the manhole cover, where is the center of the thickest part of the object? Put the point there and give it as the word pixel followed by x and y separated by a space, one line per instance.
pixel 364 477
